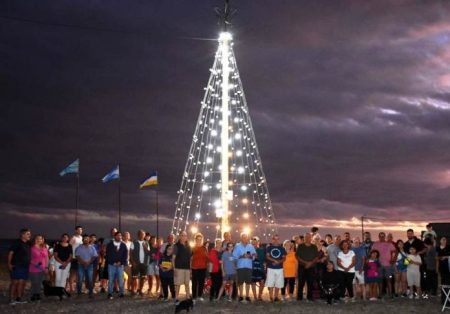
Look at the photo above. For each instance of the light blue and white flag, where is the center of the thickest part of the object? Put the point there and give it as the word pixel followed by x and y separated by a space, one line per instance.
pixel 113 175
pixel 72 168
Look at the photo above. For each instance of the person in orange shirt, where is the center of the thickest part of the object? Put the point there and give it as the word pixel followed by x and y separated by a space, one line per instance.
pixel 199 263
pixel 290 270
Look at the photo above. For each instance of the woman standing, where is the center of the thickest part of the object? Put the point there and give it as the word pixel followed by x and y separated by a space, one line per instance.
pixel 214 270
pixel 63 256
pixel 38 266
pixel 346 265
pixel 401 285
pixel 290 266
pixel 199 265
pixel 443 264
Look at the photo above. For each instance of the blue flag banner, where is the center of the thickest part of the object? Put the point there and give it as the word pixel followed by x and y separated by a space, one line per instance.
pixel 72 168
pixel 113 175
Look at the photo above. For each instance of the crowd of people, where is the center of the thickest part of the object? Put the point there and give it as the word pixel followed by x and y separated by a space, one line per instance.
pixel 334 269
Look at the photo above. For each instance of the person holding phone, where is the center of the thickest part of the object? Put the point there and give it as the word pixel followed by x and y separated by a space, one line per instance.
pixel 244 253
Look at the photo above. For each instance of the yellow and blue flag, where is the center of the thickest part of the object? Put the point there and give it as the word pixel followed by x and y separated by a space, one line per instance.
pixel 113 175
pixel 151 180
pixel 74 167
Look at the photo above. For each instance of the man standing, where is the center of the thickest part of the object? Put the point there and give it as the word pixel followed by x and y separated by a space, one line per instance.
pixel 244 253
pixel 307 256
pixel 86 254
pixel 117 257
pixel 181 259
pixel 170 241
pixel 360 258
pixel 276 255
pixel 387 259
pixel 333 250
pixel 413 241
pixel 19 256
pixel 139 256
pixel 75 241
pixel 367 243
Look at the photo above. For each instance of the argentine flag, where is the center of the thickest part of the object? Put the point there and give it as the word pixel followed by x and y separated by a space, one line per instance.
pixel 72 168
pixel 113 175
pixel 151 180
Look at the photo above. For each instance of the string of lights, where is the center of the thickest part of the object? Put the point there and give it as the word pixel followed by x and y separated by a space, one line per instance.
pixel 223 187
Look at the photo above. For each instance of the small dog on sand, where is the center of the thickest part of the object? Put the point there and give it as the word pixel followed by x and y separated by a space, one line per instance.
pixel 49 291
pixel 184 305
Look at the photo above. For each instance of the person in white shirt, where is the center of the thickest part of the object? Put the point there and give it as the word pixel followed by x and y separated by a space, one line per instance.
pixel 413 272
pixel 75 242
pixel 346 261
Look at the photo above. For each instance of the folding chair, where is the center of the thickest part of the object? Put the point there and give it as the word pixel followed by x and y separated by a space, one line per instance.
pixel 446 292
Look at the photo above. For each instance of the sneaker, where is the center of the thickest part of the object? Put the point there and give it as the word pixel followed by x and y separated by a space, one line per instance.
pixel 373 299
pixel 20 301
pixel 410 296
pixel 176 302
pixel 424 296
pixel 12 302
pixel 241 299
pixel 248 299
pixel 110 297
pixel 201 299
pixel 229 299
pixel 165 299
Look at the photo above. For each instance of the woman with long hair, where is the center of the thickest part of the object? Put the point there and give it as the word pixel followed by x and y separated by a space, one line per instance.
pixel 63 257
pixel 199 265
pixel 38 266
pixel 401 284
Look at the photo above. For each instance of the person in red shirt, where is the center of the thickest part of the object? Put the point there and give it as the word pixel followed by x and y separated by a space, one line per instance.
pixel 199 263
pixel 214 269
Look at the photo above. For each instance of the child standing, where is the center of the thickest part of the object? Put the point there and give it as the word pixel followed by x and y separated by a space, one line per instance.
pixel 290 270
pixel 228 271
pixel 413 272
pixel 372 274
pixel 166 274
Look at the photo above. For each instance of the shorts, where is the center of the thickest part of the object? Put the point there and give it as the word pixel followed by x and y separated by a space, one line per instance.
pixel 74 265
pixel 258 275
pixel 275 278
pixel 19 273
pixel 182 277
pixel 359 278
pixel 413 278
pixel 139 270
pixel 152 269
pixel 244 275
pixel 387 271
pixel 229 277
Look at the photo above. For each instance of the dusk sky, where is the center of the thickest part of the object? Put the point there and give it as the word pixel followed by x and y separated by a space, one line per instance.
pixel 350 103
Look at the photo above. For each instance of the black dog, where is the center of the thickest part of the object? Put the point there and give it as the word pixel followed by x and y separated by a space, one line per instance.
pixel 49 290
pixel 184 305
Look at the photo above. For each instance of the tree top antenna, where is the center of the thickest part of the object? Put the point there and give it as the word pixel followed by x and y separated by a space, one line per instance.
pixel 225 15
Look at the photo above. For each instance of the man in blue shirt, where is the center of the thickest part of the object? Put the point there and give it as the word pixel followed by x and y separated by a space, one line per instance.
pixel 244 253
pixel 360 259
pixel 275 256
pixel 86 255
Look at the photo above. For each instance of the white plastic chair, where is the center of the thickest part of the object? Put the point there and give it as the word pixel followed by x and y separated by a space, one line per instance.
pixel 446 292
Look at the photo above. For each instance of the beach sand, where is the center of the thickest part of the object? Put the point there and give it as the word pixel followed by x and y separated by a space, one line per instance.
pixel 99 305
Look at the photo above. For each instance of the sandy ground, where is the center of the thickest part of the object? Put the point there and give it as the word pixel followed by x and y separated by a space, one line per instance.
pixel 130 304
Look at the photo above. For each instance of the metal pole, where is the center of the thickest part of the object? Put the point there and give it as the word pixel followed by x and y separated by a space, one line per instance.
pixel 362 228
pixel 76 198
pixel 120 206
pixel 157 213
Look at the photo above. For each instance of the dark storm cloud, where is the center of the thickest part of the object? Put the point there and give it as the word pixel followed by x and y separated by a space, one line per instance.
pixel 349 100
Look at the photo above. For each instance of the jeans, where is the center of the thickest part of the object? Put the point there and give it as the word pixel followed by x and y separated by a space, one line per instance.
pixel 198 282
pixel 291 282
pixel 166 284
pixel 115 272
pixel 88 272
pixel 346 283
pixel 216 283
pixel 36 282
pixel 305 275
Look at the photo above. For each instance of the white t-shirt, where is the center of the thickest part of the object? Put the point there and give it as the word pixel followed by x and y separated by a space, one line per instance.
pixel 76 241
pixel 141 251
pixel 414 267
pixel 346 260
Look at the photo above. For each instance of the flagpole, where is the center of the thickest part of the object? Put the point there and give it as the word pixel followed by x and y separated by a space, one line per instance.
pixel 157 212
pixel 120 207
pixel 77 198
